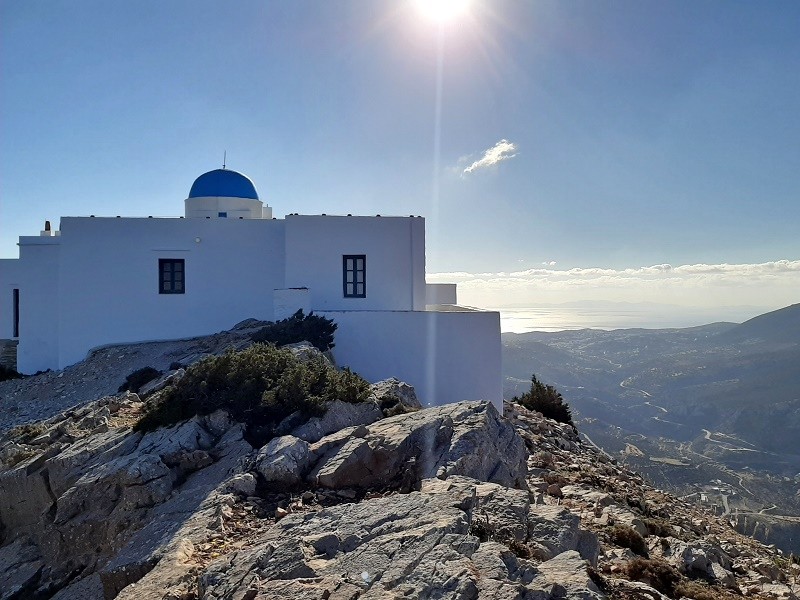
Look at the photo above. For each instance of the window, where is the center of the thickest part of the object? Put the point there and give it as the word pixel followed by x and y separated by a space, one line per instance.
pixel 355 275
pixel 222 215
pixel 171 276
pixel 16 313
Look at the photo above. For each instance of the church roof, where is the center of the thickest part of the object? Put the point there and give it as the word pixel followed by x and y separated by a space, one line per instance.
pixel 223 183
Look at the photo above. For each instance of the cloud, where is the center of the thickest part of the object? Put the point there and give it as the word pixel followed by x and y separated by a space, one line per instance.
pixel 549 263
pixel 501 151
pixel 774 283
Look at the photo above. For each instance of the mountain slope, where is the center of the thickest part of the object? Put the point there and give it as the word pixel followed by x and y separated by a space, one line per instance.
pixel 450 502
pixel 688 407
pixel 782 326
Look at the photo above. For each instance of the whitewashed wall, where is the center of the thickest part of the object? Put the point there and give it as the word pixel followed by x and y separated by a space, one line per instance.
pixel 441 293
pixel 109 278
pixel 211 206
pixel 446 356
pixel 37 273
pixel 395 251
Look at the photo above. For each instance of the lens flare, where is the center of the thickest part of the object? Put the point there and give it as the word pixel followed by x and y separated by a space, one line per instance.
pixel 442 11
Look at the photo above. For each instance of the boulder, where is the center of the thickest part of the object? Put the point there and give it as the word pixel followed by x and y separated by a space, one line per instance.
pixel 21 565
pixel 305 351
pixel 283 460
pixel 243 484
pixel 392 393
pixel 468 438
pixel 559 531
pixel 24 497
pixel 569 577
pixel 338 415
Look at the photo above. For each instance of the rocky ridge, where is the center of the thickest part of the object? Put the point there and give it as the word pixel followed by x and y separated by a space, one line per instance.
pixel 447 502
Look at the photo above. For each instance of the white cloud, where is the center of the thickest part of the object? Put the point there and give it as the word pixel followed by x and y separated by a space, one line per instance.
pixel 501 151
pixel 775 283
pixel 549 263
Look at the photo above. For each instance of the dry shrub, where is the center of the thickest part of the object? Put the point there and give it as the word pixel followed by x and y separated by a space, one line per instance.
pixel 655 573
pixel 628 537
pixel 698 590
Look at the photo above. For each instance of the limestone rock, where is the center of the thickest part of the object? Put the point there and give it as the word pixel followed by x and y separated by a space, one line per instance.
pixel 394 396
pixel 558 530
pixel 283 460
pixel 568 574
pixel 469 438
pixel 167 379
pixel 244 484
pixel 339 415
pixel 20 567
pixel 417 545
pixel 305 351
pixel 448 502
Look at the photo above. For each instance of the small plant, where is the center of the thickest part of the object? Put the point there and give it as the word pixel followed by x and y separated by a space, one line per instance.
pixel 482 530
pixel 658 527
pixel 546 400
pixel 656 573
pixel 520 549
pixel 628 537
pixel 25 433
pixel 138 378
pixel 312 328
pixel 7 373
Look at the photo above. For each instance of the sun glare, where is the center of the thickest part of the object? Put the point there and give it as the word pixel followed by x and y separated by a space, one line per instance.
pixel 442 11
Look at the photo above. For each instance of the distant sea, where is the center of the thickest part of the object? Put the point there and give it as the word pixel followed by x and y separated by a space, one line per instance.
pixel 618 316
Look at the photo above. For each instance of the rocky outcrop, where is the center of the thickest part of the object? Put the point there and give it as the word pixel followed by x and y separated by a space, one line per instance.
pixel 448 502
pixel 417 545
pixel 468 438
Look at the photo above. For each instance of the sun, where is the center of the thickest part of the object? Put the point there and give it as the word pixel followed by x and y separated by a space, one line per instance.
pixel 442 11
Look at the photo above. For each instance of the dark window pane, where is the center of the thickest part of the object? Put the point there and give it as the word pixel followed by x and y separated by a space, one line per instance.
pixel 171 276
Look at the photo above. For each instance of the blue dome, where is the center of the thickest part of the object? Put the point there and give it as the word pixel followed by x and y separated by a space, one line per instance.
pixel 223 183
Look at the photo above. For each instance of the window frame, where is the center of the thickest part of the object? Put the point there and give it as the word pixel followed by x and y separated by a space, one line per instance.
pixel 15 312
pixel 172 279
pixel 355 271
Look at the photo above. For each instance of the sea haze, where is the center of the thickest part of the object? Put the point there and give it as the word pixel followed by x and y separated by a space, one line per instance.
pixel 617 315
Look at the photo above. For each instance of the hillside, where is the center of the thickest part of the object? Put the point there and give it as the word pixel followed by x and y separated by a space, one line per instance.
pixel 779 326
pixel 449 502
pixel 688 407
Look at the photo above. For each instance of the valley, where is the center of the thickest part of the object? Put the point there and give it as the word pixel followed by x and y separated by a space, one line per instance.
pixel 711 413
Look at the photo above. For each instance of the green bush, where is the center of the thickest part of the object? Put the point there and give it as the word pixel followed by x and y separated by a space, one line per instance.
pixel 258 386
pixel 138 378
pixel 298 328
pixel 547 400
pixel 628 537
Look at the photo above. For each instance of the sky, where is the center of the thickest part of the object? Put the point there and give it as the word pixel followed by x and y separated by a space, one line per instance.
pixel 573 151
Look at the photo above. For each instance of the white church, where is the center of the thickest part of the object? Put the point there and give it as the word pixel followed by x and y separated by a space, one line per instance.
pixel 98 281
